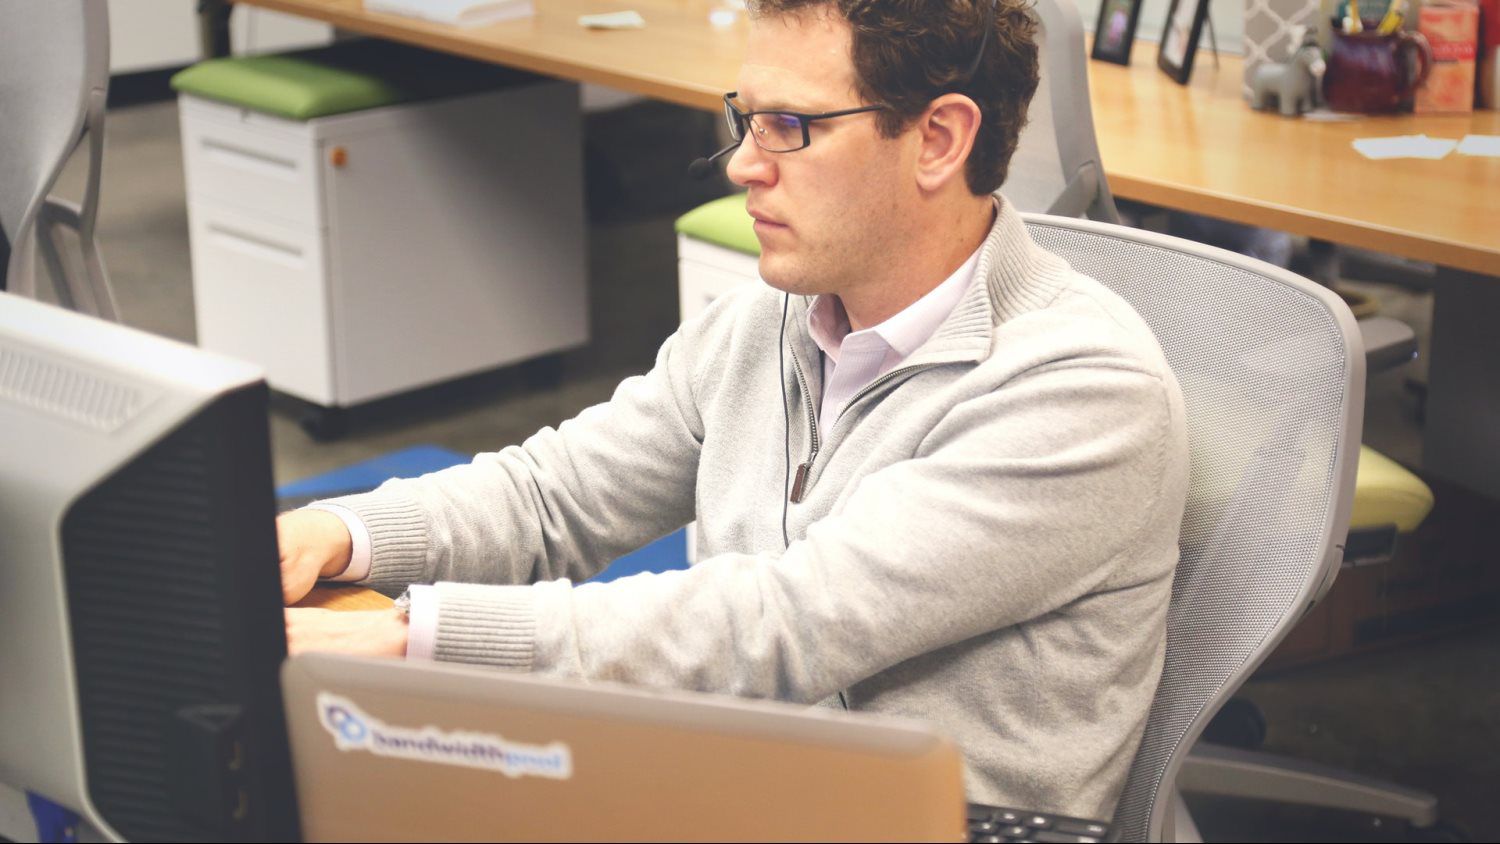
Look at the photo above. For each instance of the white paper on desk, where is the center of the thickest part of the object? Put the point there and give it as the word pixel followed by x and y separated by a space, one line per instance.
pixel 1404 146
pixel 465 13
pixel 1486 145
pixel 1324 115
pixel 613 20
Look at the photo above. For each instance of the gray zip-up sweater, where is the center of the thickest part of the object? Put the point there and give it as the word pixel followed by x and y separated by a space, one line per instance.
pixel 984 538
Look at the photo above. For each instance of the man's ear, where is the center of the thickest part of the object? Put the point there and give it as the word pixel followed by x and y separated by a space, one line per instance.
pixel 947 131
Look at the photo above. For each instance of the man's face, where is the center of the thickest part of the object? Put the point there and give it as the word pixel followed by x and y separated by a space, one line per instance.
pixel 828 213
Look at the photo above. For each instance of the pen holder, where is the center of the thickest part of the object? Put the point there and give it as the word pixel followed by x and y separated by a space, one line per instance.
pixel 1372 73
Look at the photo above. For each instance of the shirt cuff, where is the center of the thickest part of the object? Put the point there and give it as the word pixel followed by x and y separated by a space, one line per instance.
pixel 359 538
pixel 422 622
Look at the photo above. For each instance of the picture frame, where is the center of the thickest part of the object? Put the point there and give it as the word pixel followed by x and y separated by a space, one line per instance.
pixel 1179 38
pixel 1114 32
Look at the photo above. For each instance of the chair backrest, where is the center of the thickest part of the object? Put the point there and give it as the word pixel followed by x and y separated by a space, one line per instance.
pixel 1056 168
pixel 1272 373
pixel 54 79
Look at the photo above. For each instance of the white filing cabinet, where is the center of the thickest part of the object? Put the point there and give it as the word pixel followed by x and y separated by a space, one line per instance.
pixel 706 271
pixel 361 255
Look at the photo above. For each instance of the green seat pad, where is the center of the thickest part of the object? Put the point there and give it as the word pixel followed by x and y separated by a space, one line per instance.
pixel 1385 493
pixel 286 86
pixel 722 222
pixel 345 77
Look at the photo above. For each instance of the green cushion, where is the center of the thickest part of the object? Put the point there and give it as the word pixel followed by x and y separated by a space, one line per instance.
pixel 343 77
pixel 288 86
pixel 722 222
pixel 1385 493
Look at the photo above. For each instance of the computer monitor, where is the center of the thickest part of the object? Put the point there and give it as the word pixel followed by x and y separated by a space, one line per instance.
pixel 140 611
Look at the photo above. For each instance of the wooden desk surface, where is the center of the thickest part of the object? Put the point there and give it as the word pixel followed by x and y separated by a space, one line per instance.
pixel 1201 148
pixel 1198 148
pixel 330 596
pixel 677 57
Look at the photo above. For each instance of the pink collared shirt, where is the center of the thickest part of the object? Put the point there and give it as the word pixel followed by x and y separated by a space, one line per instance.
pixel 851 360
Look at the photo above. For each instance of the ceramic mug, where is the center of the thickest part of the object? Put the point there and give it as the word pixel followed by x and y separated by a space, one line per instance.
pixel 1372 73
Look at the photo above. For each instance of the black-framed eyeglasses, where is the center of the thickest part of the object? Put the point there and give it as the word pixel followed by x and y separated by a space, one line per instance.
pixel 780 131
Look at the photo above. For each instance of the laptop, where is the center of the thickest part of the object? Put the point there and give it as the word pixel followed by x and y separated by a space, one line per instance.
pixel 388 750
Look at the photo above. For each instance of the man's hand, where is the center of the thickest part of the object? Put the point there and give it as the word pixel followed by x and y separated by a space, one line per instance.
pixel 314 544
pixel 361 632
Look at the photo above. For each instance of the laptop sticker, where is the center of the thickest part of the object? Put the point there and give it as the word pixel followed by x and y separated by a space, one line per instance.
pixel 353 730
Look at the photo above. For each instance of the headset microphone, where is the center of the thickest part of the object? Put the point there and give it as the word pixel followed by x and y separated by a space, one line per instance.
pixel 703 166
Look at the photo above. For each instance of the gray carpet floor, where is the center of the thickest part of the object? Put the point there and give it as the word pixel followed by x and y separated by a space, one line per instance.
pixel 1426 715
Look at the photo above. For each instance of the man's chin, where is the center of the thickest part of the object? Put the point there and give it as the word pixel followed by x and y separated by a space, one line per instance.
pixel 783 272
pixel 774 270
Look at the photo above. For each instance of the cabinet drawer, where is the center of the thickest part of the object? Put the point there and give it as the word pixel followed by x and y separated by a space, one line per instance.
pixel 254 163
pixel 260 294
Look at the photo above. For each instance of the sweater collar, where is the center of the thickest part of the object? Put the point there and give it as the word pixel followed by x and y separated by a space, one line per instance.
pixel 1018 277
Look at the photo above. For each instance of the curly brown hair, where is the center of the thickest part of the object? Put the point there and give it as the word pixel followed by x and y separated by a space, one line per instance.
pixel 907 53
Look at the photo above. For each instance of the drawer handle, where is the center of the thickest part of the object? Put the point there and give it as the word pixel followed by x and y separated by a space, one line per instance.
pixel 257 246
pixel 252 159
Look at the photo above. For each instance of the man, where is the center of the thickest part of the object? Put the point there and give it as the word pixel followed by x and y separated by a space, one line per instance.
pixel 989 449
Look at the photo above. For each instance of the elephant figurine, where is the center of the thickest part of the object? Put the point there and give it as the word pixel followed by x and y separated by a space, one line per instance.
pixel 1295 84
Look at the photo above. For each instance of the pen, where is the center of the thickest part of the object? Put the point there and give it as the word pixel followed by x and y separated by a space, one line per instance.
pixel 1352 23
pixel 1392 19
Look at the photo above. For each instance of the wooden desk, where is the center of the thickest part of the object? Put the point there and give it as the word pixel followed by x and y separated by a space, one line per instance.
pixel 1201 148
pixel 1197 148
pixel 677 57
pixel 334 597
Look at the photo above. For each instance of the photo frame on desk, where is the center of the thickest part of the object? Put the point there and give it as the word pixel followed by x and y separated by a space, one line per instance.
pixel 1114 32
pixel 1179 38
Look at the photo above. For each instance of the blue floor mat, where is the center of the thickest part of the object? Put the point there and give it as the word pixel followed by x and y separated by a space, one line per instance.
pixel 669 552
pixel 368 474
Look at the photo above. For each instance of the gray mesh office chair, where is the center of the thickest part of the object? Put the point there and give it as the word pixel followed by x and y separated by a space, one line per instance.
pixel 54 78
pixel 1273 375
pixel 1056 168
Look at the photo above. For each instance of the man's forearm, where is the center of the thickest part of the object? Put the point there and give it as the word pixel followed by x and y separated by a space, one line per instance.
pixel 563 504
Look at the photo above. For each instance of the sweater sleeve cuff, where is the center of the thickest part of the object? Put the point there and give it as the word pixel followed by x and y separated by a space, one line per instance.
pixel 486 625
pixel 422 622
pixel 398 536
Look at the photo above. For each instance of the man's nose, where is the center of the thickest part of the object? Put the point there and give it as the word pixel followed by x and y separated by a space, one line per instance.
pixel 749 164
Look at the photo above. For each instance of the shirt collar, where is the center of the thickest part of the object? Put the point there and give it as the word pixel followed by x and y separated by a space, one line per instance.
pixel 905 331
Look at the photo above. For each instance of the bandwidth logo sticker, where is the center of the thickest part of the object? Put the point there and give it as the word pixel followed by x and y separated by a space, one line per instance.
pixel 352 729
